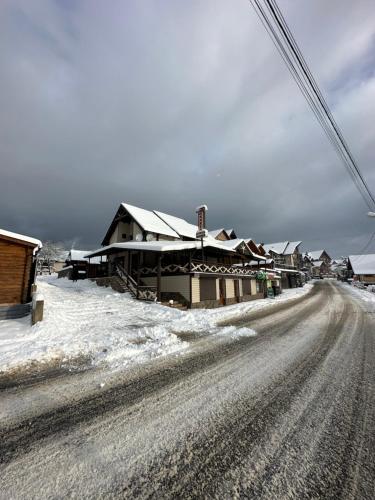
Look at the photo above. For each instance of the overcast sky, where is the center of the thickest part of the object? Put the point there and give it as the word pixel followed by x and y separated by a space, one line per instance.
pixel 169 104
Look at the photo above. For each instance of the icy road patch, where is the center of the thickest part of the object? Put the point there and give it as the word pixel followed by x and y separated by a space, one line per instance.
pixel 99 327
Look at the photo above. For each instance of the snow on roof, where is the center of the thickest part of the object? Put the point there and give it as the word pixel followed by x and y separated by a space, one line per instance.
pixel 216 232
pixel 21 237
pixel 316 254
pixel 317 263
pixel 292 271
pixel 256 263
pixel 80 255
pixel 233 243
pixel 292 245
pixel 178 225
pixel 278 248
pixel 149 221
pixel 158 246
pixel 363 264
pixel 282 248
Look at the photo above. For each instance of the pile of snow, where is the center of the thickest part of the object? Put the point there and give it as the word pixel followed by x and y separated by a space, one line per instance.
pixel 367 294
pixel 111 329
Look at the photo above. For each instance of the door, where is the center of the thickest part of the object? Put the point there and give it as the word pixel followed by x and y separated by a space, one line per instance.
pixel 222 291
pixel 237 290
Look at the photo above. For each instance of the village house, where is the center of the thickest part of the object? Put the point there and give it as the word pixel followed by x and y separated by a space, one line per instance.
pixel 287 260
pixel 318 262
pixel 17 273
pixel 362 268
pixel 158 256
pixel 77 266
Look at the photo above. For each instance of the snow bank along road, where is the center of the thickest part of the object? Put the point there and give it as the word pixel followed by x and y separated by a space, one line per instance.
pixel 289 413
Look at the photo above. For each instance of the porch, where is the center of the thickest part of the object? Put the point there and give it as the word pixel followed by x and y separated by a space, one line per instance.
pixel 183 271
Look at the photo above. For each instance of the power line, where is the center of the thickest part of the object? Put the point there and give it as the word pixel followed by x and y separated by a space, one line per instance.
pixel 283 39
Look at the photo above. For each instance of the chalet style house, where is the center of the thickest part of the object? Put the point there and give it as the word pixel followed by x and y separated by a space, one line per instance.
pixel 157 256
pixel 318 263
pixel 286 258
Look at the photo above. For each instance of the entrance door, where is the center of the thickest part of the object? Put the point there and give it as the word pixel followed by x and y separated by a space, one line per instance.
pixel 222 291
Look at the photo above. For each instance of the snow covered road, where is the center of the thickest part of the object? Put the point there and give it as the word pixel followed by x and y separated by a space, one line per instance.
pixel 288 413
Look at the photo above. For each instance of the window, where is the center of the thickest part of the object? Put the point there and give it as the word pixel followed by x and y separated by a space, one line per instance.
pixel 123 236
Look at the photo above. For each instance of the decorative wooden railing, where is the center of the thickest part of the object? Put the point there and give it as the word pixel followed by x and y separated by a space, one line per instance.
pixel 171 268
pixel 147 293
pixel 139 291
pixel 203 267
pixel 200 267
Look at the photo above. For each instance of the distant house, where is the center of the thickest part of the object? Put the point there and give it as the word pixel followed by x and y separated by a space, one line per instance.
pixel 157 256
pixel 219 234
pixel 320 262
pixel 288 260
pixel 231 233
pixel 77 266
pixel 17 272
pixel 362 268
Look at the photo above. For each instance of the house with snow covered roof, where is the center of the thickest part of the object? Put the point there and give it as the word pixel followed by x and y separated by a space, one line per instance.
pixel 17 273
pixel 285 253
pixel 318 263
pixel 288 259
pixel 219 234
pixel 362 268
pixel 77 266
pixel 158 256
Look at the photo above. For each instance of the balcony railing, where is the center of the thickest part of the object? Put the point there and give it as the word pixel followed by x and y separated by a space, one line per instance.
pixel 200 267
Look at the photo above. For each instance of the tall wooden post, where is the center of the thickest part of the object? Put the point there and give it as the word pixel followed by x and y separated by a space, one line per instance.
pixel 158 280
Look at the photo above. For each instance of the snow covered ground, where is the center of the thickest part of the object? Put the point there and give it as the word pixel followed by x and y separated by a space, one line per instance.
pixel 100 327
pixel 364 294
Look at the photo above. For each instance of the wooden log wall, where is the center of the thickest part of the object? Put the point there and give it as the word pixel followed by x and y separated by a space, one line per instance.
pixel 15 268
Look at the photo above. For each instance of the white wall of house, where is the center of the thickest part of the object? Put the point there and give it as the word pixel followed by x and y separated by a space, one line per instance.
pixel 195 290
pixel 229 289
pixel 120 229
pixel 240 287
pixel 253 287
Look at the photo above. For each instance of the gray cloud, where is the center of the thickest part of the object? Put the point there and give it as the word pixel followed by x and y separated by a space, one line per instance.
pixel 170 104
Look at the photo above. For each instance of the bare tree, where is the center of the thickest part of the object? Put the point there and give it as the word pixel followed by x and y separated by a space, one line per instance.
pixel 49 254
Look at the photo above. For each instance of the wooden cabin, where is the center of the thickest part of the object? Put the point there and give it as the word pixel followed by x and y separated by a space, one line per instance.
pixel 17 272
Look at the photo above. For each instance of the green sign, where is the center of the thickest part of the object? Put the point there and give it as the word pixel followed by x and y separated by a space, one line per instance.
pixel 261 275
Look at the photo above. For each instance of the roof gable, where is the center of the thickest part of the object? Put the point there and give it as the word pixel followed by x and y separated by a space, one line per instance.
pixel 149 221
pixel 278 248
pixel 217 232
pixel 291 247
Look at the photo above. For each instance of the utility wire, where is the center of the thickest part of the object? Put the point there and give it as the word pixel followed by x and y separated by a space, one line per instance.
pixel 289 38
pixel 286 45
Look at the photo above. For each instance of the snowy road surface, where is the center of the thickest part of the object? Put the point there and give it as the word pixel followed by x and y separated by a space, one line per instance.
pixel 288 413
